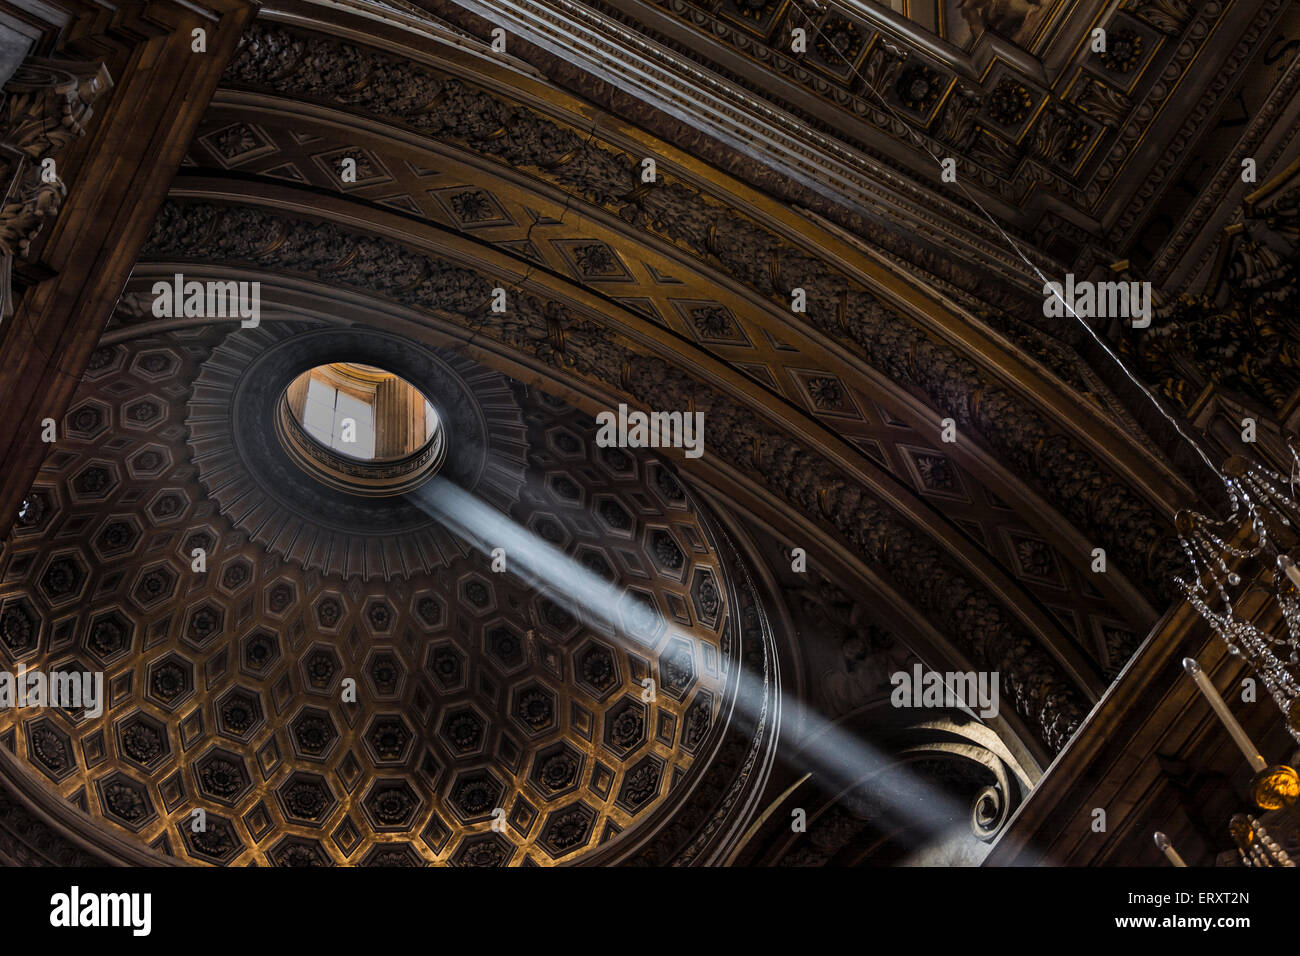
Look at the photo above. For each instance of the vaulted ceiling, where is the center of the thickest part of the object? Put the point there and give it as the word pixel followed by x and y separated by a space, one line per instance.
pixel 827 430
pixel 1080 153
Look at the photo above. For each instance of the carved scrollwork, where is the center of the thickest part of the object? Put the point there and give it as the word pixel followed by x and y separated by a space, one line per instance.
pixel 989 812
pixel 1167 15
pixel 1105 104
pixel 47 104
pixel 1242 333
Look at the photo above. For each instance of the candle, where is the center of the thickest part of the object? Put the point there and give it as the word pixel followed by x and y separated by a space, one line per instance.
pixel 1216 702
pixel 1168 850
pixel 1289 567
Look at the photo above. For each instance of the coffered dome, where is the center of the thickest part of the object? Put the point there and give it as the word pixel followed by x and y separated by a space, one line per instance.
pixel 326 690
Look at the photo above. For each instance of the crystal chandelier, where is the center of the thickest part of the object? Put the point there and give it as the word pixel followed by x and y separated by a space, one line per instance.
pixel 1257 843
pixel 1216 549
pixel 1272 505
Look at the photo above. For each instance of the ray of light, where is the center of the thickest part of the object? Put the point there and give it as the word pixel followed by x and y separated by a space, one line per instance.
pixel 840 759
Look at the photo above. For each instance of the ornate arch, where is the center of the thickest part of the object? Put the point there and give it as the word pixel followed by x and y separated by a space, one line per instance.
pixel 877 520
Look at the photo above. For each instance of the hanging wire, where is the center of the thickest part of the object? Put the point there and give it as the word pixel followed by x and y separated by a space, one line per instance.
pixel 1205 541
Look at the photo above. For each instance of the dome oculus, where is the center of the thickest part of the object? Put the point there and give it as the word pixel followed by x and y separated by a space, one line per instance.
pixel 360 429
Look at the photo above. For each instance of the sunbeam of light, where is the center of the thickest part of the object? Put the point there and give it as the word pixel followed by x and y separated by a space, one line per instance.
pixel 844 761
pixel 528 557
pixel 840 759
